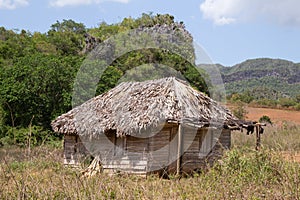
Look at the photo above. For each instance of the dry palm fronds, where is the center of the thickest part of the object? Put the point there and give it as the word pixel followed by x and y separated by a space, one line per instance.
pixel 93 169
pixel 132 107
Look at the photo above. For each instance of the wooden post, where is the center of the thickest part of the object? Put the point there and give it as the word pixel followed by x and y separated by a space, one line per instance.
pixel 257 127
pixel 179 150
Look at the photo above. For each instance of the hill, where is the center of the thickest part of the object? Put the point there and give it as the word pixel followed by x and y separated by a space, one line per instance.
pixel 274 77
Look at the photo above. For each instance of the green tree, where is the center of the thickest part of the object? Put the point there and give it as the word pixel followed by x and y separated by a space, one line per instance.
pixel 286 102
pixel 38 70
pixel 297 98
pixel 68 26
pixel 67 37
pixel 239 111
pixel 37 85
pixel 182 59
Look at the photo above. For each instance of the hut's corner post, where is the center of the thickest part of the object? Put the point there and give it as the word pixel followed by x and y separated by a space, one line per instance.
pixel 179 150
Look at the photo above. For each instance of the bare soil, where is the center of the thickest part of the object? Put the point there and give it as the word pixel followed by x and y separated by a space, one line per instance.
pixel 277 116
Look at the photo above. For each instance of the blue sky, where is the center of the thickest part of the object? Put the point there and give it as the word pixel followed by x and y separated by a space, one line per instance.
pixel 230 31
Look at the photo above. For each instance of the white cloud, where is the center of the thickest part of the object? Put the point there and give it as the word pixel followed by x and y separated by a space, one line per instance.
pixel 223 12
pixel 12 4
pixel 63 3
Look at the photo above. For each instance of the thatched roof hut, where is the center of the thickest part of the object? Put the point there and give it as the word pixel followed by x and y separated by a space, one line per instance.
pixel 132 107
pixel 134 110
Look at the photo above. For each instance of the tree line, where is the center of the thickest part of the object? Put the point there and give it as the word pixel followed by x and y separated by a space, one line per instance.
pixel 37 72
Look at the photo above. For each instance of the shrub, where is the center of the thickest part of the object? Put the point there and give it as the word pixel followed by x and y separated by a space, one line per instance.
pixel 265 119
pixel 34 136
pixel 297 107
pixel 240 111
pixel 243 97
pixel 267 102
pixel 286 102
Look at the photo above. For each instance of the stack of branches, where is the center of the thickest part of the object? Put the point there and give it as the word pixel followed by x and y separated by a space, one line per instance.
pixel 93 169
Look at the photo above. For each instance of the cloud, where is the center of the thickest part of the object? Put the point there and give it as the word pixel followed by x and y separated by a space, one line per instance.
pixel 63 3
pixel 12 4
pixel 222 12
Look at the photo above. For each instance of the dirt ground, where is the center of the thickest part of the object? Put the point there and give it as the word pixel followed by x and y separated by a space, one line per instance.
pixel 277 116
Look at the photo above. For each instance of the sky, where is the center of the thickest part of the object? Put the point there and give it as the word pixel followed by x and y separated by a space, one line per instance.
pixel 230 31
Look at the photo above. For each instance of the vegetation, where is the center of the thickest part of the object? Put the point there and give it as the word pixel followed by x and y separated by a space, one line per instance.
pixel 262 100
pixel 269 75
pixel 265 119
pixel 239 111
pixel 36 78
pixel 262 82
pixel 38 70
pixel 242 173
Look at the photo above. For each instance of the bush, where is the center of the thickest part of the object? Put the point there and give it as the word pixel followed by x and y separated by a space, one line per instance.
pixel 267 102
pixel 240 111
pixel 34 136
pixel 243 97
pixel 265 119
pixel 286 102
pixel 297 107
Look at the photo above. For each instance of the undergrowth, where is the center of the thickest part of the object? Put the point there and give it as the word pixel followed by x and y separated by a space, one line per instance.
pixel 242 173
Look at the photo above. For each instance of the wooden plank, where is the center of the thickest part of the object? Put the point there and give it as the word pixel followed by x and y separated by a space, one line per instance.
pixel 179 149
pixel 125 167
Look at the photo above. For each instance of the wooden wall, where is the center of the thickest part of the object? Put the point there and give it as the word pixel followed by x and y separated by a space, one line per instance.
pixel 138 154
pixel 74 150
pixel 135 154
pixel 207 146
pixel 123 154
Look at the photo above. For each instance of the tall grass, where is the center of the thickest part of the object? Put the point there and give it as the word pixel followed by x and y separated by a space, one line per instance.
pixel 242 173
pixel 285 137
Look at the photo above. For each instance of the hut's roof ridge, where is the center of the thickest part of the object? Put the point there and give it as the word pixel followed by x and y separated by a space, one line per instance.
pixel 132 107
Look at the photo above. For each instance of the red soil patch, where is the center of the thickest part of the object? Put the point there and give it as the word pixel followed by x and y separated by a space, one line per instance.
pixel 277 116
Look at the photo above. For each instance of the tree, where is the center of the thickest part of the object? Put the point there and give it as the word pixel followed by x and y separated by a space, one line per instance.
pixel 286 102
pixel 240 112
pixel 298 98
pixel 68 26
pixel 162 27
pixel 38 70
pixel 67 36
pixel 37 85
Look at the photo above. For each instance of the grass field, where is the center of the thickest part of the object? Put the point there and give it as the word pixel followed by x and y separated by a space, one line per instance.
pixel 242 173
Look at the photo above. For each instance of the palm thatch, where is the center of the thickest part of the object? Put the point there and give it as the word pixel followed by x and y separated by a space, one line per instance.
pixel 133 107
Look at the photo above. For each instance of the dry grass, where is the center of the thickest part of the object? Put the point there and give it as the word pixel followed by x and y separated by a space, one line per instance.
pixel 243 173
pixel 285 137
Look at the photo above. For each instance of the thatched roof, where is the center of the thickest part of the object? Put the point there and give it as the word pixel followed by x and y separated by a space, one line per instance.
pixel 132 107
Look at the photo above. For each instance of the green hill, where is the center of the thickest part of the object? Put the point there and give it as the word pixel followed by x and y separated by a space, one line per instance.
pixel 275 77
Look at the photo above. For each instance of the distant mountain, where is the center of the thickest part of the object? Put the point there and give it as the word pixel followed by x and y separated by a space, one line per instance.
pixel 270 75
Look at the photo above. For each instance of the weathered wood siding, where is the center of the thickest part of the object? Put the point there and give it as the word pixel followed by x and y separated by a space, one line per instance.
pixel 159 149
pixel 192 138
pixel 127 154
pixel 140 155
pixel 205 147
pixel 74 150
pixel 223 142
pixel 159 153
